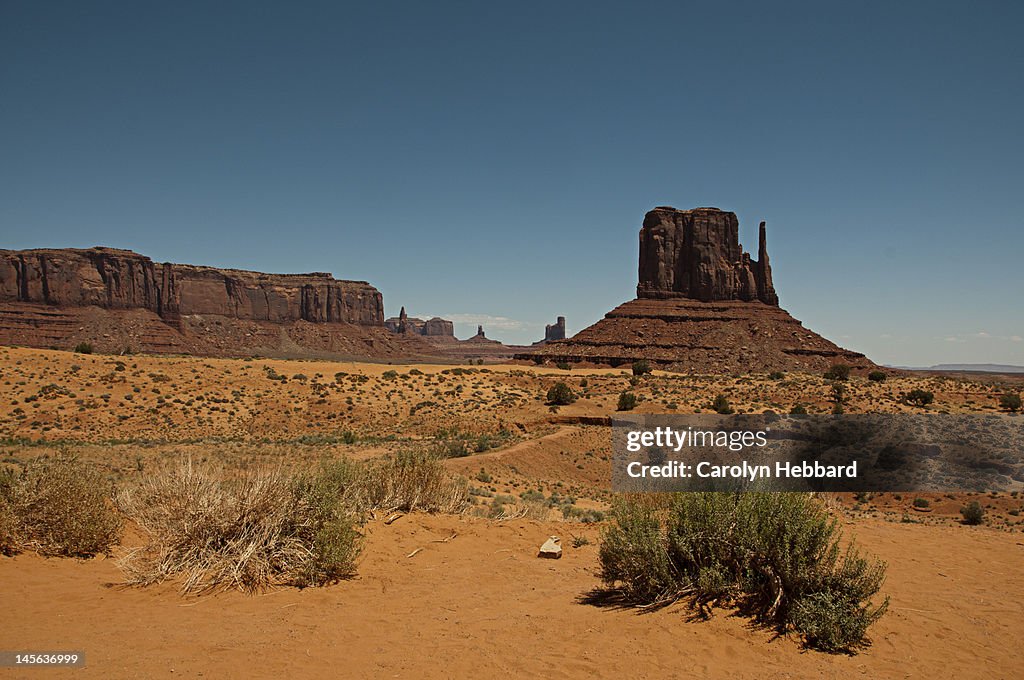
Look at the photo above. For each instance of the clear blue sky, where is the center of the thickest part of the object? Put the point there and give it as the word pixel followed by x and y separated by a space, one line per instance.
pixel 481 160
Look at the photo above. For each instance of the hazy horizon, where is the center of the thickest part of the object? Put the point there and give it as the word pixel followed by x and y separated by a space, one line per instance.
pixel 492 165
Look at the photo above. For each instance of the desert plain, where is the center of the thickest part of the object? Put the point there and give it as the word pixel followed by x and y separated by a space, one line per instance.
pixel 461 594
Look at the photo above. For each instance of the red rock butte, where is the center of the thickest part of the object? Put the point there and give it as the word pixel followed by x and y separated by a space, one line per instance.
pixel 118 299
pixel 703 306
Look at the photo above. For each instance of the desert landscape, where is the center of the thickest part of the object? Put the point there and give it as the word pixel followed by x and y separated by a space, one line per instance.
pixel 461 470
pixel 406 340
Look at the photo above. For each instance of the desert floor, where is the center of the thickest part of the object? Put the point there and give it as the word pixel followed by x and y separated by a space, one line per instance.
pixel 473 598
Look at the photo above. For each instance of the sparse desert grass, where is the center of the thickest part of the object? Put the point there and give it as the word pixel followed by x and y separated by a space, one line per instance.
pixel 250 531
pixel 412 480
pixel 777 556
pixel 57 506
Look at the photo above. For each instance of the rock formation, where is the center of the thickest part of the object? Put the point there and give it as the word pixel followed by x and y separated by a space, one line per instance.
pixel 555 331
pixel 121 279
pixel 118 299
pixel 435 328
pixel 703 306
pixel 696 254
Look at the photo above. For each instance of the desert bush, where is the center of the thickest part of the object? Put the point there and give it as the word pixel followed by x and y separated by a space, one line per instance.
pixel 251 531
pixel 561 394
pixel 62 507
pixel 641 367
pixel 922 503
pixel 798 410
pixel 919 397
pixel 777 555
pixel 776 375
pixel 412 480
pixel 627 402
pixel 83 348
pixel 877 376
pixel 837 372
pixel 721 405
pixel 1010 402
pixel 973 513
pixel 563 366
pixel 8 528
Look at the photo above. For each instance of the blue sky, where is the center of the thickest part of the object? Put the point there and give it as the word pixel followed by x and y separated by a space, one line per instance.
pixel 492 162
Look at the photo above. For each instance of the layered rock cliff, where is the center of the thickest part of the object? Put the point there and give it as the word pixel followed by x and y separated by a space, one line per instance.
pixel 121 279
pixel 696 254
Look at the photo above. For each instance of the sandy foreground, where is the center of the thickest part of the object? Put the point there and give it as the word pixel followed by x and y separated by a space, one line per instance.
pixel 482 604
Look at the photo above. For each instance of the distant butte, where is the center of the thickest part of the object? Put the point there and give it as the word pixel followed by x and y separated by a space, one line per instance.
pixel 117 300
pixel 703 306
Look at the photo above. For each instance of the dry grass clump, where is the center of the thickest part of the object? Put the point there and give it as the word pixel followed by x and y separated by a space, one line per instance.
pixel 250 532
pixel 411 480
pixel 57 506
pixel 776 555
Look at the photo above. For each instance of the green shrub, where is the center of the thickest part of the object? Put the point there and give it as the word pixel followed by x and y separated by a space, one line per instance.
pixel 919 397
pixel 776 375
pixel 561 394
pixel 922 503
pixel 563 366
pixel 837 372
pixel 641 367
pixel 777 555
pixel 63 508
pixel 877 376
pixel 627 402
pixel 798 410
pixel 973 513
pixel 83 348
pixel 389 375
pixel 721 405
pixel 1010 402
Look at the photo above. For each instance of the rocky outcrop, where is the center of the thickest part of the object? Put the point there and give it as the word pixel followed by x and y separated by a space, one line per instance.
pixel 703 306
pixel 435 327
pixel 121 279
pixel 696 254
pixel 555 331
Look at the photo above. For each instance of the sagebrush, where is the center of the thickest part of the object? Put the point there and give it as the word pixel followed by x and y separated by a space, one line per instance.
pixel 58 507
pixel 778 556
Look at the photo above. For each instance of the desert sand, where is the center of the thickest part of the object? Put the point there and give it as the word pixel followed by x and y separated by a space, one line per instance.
pixel 455 596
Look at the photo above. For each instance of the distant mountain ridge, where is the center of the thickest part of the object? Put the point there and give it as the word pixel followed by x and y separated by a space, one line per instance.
pixel 981 368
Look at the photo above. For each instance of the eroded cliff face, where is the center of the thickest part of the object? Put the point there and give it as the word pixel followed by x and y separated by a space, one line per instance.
pixel 121 279
pixel 696 254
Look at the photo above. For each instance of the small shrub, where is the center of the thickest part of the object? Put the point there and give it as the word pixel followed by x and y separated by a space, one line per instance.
pixel 564 366
pixel 249 532
pixel 922 503
pixel 389 375
pixel 798 410
pixel 641 367
pixel 919 397
pixel 412 480
pixel 63 508
pixel 721 405
pixel 776 375
pixel 877 376
pixel 777 554
pixel 1010 402
pixel 627 402
pixel 838 372
pixel 973 513
pixel 8 528
pixel 83 348
pixel 561 394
